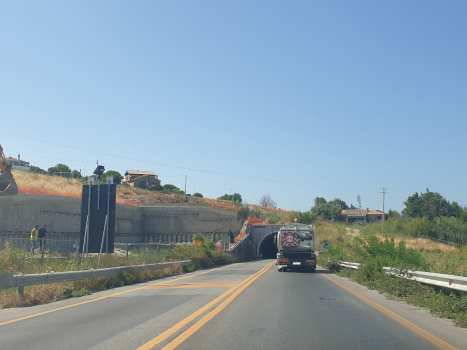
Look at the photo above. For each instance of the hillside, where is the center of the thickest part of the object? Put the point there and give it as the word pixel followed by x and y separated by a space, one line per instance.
pixel 45 184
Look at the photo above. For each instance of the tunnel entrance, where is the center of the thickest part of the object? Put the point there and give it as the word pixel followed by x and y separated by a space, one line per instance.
pixel 267 248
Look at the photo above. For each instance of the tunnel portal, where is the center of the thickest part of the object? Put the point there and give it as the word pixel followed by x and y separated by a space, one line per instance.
pixel 267 248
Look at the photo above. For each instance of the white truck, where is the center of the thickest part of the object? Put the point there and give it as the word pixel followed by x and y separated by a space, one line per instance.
pixel 296 247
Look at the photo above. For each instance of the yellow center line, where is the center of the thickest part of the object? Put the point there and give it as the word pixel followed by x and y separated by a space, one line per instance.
pixel 438 342
pixel 201 284
pixel 108 296
pixel 193 329
pixel 160 338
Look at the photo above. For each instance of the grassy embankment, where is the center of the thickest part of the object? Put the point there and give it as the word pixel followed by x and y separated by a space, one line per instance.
pixel 59 185
pixel 405 253
pixel 15 261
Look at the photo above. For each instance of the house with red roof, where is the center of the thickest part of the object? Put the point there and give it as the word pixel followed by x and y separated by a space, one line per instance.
pixel 363 216
pixel 149 177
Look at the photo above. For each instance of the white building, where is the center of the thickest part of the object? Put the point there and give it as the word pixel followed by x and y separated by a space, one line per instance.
pixel 18 164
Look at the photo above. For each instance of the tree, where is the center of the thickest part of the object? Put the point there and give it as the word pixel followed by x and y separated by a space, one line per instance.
pixel 168 188
pixel 64 170
pixel 267 201
pixel 112 173
pixel 59 168
pixel 36 169
pixel 463 216
pixel 156 187
pixel 319 201
pixel 429 204
pixel 339 203
pixel 141 184
pixel 197 194
pixel 75 174
pixel 328 211
pixel 456 210
pixel 393 214
pixel 231 197
pixel 236 197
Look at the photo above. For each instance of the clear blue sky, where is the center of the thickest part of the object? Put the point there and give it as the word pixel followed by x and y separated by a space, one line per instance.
pixel 295 99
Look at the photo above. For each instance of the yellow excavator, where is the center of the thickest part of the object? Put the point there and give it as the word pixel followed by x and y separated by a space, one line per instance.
pixel 8 185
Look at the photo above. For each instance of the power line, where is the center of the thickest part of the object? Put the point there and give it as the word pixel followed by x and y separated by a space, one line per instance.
pixel 32 155
pixel 185 168
pixel 215 188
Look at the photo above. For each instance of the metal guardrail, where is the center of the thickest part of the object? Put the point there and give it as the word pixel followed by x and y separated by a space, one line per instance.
pixel 11 281
pixel 349 264
pixel 434 279
pixel 431 278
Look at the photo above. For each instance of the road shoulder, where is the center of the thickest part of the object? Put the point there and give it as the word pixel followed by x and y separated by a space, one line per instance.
pixel 439 327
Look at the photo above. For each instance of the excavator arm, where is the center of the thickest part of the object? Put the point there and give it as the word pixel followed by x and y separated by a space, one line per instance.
pixel 8 185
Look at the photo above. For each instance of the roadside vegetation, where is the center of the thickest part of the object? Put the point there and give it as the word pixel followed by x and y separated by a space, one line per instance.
pixel 375 253
pixel 15 261
pixel 430 234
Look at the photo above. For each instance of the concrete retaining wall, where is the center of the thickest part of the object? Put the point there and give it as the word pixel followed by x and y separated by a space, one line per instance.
pixel 167 224
pixel 245 251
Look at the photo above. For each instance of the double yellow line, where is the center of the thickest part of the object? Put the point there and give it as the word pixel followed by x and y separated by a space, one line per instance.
pixel 236 290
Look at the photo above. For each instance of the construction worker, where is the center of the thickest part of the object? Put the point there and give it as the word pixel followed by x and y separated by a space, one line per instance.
pixel 34 237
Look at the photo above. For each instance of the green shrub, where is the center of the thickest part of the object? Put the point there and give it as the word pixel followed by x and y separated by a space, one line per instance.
pixel 127 278
pixel 244 212
pixel 75 293
pixel 210 245
pixel 199 237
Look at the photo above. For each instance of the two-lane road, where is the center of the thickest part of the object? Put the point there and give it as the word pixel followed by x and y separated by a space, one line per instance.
pixel 241 306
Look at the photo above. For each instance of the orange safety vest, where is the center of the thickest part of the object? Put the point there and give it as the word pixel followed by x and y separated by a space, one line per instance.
pixel 34 234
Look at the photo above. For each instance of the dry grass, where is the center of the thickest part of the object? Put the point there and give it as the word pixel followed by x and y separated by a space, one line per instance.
pixel 425 244
pixel 332 233
pixel 414 243
pixel 45 184
pixel 421 244
pixel 33 182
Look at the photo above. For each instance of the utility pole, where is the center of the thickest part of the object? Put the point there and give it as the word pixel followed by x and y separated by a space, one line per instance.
pixel 185 183
pixel 384 193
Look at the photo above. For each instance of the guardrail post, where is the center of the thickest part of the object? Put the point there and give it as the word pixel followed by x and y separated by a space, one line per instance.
pixel 21 290
pixel 127 252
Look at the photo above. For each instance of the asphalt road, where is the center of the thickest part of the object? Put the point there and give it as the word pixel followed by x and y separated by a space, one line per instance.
pixel 242 306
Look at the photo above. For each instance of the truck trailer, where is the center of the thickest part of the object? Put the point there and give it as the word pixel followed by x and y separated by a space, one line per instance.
pixel 296 247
